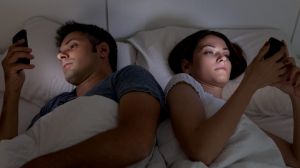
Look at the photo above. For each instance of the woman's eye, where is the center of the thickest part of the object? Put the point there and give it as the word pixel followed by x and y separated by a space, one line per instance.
pixel 226 54
pixel 208 52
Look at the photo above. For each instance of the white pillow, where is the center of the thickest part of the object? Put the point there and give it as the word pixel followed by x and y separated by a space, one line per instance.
pixel 27 110
pixel 153 49
pixel 46 80
pixel 154 46
pixel 126 54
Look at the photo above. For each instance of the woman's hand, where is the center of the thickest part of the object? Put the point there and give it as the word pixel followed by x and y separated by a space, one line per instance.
pixel 262 72
pixel 291 83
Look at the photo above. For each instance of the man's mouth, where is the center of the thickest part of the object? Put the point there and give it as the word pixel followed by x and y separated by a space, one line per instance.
pixel 67 65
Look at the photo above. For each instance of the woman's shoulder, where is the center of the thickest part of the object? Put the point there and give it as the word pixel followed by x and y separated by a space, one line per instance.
pixel 184 78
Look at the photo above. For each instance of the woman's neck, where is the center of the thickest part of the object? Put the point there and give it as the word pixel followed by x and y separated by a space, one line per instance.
pixel 213 89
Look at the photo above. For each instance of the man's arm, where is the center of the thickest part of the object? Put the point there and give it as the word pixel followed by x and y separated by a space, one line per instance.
pixel 14 79
pixel 131 141
pixel 9 115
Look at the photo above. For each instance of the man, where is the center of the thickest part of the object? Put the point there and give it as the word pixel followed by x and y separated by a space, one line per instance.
pixel 88 55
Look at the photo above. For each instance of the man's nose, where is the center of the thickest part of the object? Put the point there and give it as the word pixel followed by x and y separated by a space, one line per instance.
pixel 62 55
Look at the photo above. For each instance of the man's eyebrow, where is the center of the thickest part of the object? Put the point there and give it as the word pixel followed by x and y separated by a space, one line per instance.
pixel 66 43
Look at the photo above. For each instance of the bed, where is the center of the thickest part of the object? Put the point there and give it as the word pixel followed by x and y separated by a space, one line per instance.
pixel 145 32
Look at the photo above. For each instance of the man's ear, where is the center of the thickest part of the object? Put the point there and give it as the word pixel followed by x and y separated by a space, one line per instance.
pixel 186 66
pixel 102 49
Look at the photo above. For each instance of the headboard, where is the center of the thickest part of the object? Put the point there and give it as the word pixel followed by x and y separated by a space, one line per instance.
pixel 129 16
pixel 14 13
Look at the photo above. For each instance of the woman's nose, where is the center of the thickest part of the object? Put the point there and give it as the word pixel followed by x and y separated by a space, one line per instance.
pixel 221 58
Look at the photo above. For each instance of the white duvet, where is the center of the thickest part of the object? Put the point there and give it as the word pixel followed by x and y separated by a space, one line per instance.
pixel 248 147
pixel 67 125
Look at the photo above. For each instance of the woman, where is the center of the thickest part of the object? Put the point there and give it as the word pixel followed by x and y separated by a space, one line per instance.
pixel 216 132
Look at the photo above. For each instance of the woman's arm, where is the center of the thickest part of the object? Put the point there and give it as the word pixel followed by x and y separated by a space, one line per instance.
pixel 291 86
pixel 203 139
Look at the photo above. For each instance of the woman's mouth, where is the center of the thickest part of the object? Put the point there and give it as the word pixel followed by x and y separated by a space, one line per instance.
pixel 221 68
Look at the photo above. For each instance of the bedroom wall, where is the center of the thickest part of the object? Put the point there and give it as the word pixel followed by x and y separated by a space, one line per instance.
pixel 296 38
pixel 229 13
pixel 13 13
pixel 143 15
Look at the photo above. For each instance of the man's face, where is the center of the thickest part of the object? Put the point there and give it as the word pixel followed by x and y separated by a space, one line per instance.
pixel 77 58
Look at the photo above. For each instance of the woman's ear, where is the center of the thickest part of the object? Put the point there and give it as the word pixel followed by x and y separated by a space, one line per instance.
pixel 102 50
pixel 186 66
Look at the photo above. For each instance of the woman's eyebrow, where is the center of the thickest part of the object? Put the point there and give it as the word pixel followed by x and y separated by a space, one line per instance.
pixel 209 45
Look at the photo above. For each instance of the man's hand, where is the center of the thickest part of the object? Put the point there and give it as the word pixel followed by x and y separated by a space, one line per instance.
pixel 44 162
pixel 13 72
pixel 14 79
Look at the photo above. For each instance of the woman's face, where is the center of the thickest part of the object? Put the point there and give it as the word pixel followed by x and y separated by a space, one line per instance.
pixel 210 62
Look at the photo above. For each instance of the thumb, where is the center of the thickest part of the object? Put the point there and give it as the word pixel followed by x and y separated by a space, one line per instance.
pixel 263 50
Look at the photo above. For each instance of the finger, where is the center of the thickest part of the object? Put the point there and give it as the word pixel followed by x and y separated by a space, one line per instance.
pixel 287 50
pixel 289 61
pixel 278 55
pixel 277 80
pixel 19 55
pixel 281 65
pixel 19 49
pixel 15 50
pixel 296 81
pixel 20 66
pixel 283 72
pixel 292 74
pixel 263 50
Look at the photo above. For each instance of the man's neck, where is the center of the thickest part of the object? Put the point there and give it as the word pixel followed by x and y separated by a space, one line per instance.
pixel 88 84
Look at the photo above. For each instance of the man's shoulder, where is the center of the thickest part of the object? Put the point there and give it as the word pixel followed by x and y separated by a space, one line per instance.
pixel 132 68
pixel 134 71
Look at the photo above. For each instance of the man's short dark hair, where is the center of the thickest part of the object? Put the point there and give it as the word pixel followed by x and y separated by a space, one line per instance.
pixel 95 35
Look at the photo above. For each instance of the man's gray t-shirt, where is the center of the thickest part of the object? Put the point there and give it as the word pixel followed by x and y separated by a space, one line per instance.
pixel 129 79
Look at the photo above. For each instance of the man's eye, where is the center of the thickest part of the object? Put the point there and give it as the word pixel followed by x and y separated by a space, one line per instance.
pixel 73 46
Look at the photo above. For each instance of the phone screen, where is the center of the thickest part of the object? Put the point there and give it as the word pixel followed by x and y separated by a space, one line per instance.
pixel 22 34
pixel 275 46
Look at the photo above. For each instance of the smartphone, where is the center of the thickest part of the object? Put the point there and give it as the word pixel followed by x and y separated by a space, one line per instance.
pixel 22 34
pixel 275 46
